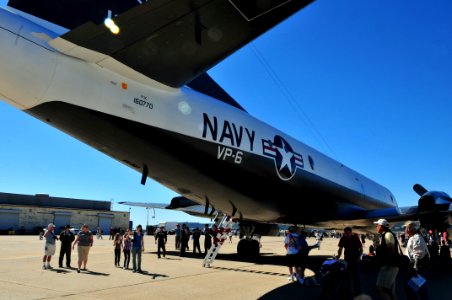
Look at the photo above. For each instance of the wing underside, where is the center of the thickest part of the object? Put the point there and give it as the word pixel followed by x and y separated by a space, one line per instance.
pixel 170 41
pixel 178 203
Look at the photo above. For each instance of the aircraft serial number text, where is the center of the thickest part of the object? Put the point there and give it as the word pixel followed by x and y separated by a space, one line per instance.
pixel 143 103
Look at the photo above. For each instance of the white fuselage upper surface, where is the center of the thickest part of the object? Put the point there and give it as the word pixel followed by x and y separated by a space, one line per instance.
pixel 33 73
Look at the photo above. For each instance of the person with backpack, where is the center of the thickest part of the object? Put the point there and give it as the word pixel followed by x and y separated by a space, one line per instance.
pixel 387 254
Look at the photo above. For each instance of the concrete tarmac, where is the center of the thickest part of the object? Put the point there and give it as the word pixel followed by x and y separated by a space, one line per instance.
pixel 172 277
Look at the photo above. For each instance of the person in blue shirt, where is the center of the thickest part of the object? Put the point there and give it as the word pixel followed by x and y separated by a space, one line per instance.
pixel 50 246
pixel 137 249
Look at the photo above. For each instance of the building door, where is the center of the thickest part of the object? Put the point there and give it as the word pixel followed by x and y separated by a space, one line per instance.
pixel 105 222
pixel 61 219
pixel 9 218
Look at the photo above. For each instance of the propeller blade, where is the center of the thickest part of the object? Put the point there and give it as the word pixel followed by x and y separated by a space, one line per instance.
pixel 419 189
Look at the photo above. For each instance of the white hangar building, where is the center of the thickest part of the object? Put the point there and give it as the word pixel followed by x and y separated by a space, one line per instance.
pixel 25 213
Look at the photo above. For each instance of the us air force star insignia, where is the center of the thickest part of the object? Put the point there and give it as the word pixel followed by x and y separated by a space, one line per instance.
pixel 286 160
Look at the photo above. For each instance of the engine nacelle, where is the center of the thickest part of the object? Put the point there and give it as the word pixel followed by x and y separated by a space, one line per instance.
pixel 435 210
pixel 181 202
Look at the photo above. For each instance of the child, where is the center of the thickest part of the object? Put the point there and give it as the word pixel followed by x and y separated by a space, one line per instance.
pixel 126 249
pixel 117 243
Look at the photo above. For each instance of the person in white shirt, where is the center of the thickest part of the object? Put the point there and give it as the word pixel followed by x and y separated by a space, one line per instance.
pixel 291 245
pixel 417 251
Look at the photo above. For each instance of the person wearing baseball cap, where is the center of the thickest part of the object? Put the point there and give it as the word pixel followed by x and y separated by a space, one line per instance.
pixel 66 239
pixel 50 246
pixel 382 222
pixel 386 255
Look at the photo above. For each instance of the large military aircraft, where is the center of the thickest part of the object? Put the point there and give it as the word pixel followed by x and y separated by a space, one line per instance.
pixel 129 79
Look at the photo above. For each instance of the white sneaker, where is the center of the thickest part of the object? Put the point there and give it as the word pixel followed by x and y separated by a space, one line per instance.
pixel 290 278
pixel 44 267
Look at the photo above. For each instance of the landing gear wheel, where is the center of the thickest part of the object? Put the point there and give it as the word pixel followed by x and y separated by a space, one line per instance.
pixel 248 248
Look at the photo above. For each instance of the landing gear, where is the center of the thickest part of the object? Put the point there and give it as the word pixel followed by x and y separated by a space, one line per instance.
pixel 248 248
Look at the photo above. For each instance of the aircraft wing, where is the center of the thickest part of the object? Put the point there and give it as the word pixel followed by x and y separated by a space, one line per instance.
pixel 177 203
pixel 169 41
pixel 145 204
pixel 360 220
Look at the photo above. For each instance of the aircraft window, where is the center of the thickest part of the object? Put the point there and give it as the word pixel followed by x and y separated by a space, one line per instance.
pixel 311 162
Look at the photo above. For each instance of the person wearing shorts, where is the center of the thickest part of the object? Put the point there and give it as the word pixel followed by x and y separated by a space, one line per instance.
pixel 85 242
pixel 50 246
pixel 291 245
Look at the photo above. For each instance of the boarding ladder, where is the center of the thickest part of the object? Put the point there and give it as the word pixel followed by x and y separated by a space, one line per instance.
pixel 224 227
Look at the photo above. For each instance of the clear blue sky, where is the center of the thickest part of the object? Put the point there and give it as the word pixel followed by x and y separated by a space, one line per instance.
pixel 373 80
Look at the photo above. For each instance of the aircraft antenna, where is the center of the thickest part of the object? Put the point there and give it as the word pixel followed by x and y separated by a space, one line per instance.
pixel 291 99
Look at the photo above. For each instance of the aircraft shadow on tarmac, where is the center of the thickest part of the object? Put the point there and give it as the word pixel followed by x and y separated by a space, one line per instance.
pixel 439 279
pixel 173 253
pixel 249 271
pixel 314 262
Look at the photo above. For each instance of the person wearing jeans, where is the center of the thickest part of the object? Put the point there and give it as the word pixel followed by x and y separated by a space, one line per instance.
pixel 137 249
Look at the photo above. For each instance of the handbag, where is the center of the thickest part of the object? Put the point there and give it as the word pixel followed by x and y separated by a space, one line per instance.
pixel 402 261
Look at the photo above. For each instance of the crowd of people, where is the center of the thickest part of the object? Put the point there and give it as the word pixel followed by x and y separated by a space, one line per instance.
pixel 129 243
pixel 419 253
pixel 411 264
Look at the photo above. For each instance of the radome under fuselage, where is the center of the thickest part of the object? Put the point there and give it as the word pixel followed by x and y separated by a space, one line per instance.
pixel 197 146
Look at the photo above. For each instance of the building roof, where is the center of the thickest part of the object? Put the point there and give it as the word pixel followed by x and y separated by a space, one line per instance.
pixel 44 200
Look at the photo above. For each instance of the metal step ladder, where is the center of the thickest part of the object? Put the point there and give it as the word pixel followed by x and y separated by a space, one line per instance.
pixel 224 226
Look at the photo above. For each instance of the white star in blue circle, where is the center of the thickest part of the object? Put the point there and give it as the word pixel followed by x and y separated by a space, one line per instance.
pixel 287 156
